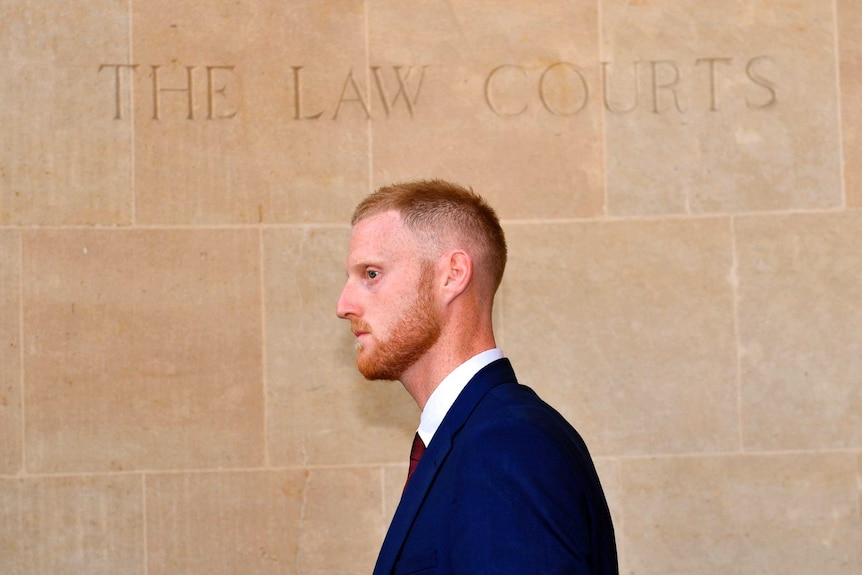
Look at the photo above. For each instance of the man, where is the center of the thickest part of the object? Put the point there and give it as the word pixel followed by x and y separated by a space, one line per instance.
pixel 505 484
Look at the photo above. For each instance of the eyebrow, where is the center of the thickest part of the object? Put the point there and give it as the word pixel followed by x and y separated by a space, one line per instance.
pixel 360 264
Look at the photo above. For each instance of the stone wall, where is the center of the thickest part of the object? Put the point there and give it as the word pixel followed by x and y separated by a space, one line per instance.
pixel 680 182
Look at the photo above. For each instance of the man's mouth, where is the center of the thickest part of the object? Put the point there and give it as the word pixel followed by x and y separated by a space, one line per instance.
pixel 360 329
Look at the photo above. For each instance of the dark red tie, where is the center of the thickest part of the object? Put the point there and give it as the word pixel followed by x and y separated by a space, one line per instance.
pixel 415 455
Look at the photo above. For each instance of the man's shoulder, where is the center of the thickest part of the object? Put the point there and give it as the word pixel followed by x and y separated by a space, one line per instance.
pixel 516 401
pixel 513 409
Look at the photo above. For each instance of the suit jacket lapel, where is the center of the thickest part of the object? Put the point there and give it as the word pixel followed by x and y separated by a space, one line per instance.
pixel 490 376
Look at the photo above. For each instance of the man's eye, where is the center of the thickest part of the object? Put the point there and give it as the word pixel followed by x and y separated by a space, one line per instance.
pixel 372 274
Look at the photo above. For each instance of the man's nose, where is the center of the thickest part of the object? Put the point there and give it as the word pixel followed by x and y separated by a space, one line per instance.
pixel 345 308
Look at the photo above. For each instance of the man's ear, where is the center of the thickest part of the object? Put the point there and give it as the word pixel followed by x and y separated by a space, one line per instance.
pixel 459 273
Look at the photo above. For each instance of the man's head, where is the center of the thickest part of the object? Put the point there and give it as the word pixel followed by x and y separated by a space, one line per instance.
pixel 442 215
pixel 423 258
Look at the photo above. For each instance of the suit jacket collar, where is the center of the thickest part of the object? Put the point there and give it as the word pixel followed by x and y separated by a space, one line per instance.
pixel 487 378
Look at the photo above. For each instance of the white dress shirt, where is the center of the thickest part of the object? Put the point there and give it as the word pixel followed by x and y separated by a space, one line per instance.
pixel 447 392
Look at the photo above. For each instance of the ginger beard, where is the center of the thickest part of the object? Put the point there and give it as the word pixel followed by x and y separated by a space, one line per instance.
pixel 415 332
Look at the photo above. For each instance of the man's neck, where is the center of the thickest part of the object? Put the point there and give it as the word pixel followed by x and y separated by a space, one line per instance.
pixel 422 378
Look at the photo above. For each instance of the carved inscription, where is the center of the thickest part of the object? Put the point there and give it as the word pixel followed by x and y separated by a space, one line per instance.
pixel 657 86
pixel 118 85
pixel 214 81
pixel 562 89
pixel 407 83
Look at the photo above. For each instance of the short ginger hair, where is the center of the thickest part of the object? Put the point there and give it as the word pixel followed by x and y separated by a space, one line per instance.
pixel 440 214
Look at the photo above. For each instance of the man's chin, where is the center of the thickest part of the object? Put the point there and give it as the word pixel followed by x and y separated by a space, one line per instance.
pixel 375 375
pixel 372 371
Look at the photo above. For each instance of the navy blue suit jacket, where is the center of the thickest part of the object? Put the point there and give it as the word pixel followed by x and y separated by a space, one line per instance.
pixel 506 486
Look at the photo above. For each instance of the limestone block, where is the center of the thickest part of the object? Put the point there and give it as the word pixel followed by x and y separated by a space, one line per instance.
pixel 609 475
pixel 717 110
pixel 64 156
pixel 394 478
pixel 72 525
pixel 627 328
pixel 859 482
pixel 849 19
pixel 318 521
pixel 10 353
pixel 237 116
pixel 142 349
pixel 800 312
pixel 782 513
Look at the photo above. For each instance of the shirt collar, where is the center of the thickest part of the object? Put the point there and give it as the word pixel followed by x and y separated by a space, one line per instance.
pixel 447 392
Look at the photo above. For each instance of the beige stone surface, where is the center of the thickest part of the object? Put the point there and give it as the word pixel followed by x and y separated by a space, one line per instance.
pixel 64 158
pixel 320 409
pixel 318 521
pixel 782 513
pixel 800 312
pixel 627 328
pixel 344 528
pixel 849 18
pixel 394 478
pixel 10 353
pixel 177 394
pixel 733 109
pixel 609 475
pixel 501 100
pixel 72 525
pixel 254 148
pixel 142 349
